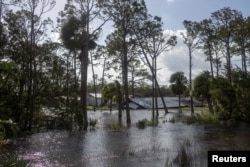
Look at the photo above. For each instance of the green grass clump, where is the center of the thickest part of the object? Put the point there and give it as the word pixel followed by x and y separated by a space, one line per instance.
pixel 13 160
pixel 141 124
pixel 183 158
pixel 116 127
pixel 171 120
pixel 205 118
pixel 92 123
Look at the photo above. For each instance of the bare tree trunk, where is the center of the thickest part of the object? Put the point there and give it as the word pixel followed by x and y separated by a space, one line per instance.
pixel 190 80
pixel 156 94
pixel 210 60
pixel 94 80
pixel 125 58
pixel 83 116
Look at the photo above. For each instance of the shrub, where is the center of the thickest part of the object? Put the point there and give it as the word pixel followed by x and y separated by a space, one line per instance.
pixel 116 126
pixel 141 124
pixel 7 129
pixel 171 120
pixel 13 160
pixel 92 123
pixel 183 158
pixel 207 117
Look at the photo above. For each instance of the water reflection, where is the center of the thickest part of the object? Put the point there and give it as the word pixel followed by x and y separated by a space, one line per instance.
pixel 152 146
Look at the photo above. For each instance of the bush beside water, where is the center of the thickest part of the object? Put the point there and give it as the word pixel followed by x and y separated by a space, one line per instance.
pixel 205 118
pixel 141 124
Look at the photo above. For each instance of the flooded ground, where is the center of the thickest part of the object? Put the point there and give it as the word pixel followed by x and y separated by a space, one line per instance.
pixel 153 146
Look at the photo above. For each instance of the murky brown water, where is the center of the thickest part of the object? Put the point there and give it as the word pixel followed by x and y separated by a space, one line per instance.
pixel 133 147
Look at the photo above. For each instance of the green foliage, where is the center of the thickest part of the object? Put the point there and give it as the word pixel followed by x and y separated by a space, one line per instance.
pixel 224 97
pixel 92 123
pixel 141 124
pixel 179 82
pixel 13 161
pixel 116 127
pixel 202 85
pixel 113 92
pixel 241 86
pixel 8 129
pixel 204 118
pixel 171 120
pixel 183 158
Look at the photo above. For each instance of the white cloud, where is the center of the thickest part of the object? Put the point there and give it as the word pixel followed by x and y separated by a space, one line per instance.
pixel 178 60
pixel 55 36
pixel 170 0
pixel 175 60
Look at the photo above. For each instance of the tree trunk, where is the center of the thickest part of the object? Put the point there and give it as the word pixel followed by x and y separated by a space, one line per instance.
pixel 93 72
pixel 244 61
pixel 210 60
pixel 83 117
pixel 125 73
pixel 228 56
pixel 179 97
pixel 190 80
pixel 156 94
pixel 156 82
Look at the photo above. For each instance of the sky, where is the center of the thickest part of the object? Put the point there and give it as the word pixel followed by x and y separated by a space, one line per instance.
pixel 173 13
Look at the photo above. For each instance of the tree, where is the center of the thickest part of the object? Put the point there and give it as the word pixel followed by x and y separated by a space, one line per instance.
pixel 223 21
pixel 192 44
pixel 178 86
pixel 202 87
pixel 241 38
pixel 207 36
pixel 86 11
pixel 27 29
pixel 122 14
pixel 9 80
pixel 224 97
pixel 152 42
pixel 113 92
pixel 242 90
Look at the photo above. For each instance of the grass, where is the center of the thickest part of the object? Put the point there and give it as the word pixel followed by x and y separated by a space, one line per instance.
pixel 92 123
pixel 183 157
pixel 171 120
pixel 141 124
pixel 116 127
pixel 195 108
pixel 13 160
pixel 204 117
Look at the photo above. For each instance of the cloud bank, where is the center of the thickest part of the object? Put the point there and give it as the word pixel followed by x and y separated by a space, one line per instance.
pixel 177 59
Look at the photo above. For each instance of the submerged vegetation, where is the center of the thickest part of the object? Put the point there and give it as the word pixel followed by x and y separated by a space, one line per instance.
pixel 204 117
pixel 141 124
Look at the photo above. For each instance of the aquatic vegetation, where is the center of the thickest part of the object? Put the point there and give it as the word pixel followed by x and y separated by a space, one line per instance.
pixel 10 160
pixel 204 117
pixel 92 123
pixel 116 127
pixel 141 124
pixel 183 158
pixel 171 120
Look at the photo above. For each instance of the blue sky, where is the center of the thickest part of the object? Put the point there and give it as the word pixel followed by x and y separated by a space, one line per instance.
pixel 174 12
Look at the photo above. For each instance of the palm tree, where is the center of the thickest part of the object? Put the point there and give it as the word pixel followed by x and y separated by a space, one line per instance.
pixel 113 92
pixel 178 86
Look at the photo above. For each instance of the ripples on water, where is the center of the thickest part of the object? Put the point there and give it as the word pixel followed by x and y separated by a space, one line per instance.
pixel 152 146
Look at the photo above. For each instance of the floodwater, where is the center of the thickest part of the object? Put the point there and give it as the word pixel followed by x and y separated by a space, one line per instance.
pixel 132 147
